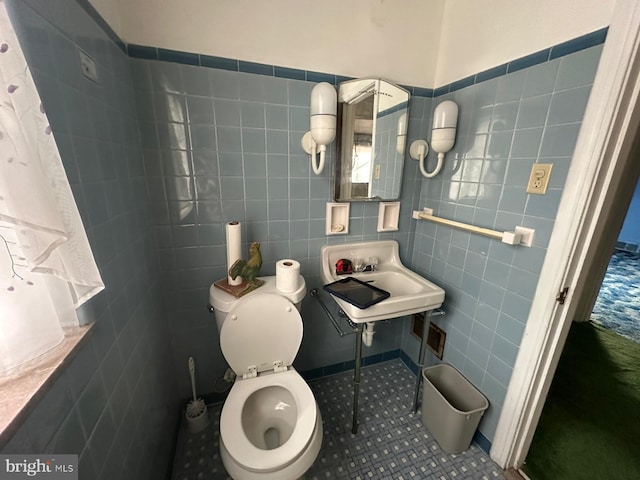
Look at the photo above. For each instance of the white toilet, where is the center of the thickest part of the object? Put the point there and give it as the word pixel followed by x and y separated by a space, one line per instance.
pixel 270 425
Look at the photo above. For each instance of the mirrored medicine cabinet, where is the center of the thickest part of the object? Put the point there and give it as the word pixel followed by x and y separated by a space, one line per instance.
pixel 371 140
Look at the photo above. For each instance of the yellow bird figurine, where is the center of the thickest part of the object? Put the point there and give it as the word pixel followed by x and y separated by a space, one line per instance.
pixel 248 270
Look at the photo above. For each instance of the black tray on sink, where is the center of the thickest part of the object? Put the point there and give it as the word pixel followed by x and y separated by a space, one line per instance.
pixel 356 292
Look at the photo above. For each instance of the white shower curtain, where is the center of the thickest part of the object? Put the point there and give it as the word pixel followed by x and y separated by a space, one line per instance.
pixel 46 265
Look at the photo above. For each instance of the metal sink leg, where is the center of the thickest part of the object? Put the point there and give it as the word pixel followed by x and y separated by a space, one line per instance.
pixel 423 344
pixel 356 377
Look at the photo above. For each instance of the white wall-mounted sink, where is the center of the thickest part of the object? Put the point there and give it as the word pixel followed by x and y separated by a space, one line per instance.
pixel 410 293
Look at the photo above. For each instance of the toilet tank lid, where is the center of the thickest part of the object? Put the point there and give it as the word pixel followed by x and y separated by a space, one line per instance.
pixel 259 331
pixel 224 302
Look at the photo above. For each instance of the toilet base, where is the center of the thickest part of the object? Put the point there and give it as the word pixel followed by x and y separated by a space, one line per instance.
pixel 293 471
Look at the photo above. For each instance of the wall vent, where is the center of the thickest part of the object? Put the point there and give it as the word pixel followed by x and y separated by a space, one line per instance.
pixel 435 340
pixel 417 325
pixel 435 335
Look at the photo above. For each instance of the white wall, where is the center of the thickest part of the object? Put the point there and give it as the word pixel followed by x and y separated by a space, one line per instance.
pixel 110 11
pixel 478 35
pixel 413 42
pixel 393 39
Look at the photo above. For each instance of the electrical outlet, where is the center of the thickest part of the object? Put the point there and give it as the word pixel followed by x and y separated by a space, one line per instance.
pixel 539 179
pixel 88 67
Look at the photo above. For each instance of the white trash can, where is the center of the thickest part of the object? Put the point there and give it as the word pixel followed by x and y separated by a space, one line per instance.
pixel 451 407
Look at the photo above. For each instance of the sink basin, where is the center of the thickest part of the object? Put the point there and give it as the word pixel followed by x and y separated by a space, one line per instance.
pixel 410 293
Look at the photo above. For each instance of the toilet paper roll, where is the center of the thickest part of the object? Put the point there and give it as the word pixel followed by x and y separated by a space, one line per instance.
pixel 287 275
pixel 234 249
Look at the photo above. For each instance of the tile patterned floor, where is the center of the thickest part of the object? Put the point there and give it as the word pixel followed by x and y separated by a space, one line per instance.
pixel 618 305
pixel 391 442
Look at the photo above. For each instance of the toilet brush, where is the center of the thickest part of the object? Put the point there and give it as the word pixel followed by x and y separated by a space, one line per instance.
pixel 196 414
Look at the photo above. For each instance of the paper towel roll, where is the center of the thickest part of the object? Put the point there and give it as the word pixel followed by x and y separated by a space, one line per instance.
pixel 234 249
pixel 287 275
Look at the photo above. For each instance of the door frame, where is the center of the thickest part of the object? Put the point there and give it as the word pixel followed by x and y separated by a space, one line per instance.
pixel 600 183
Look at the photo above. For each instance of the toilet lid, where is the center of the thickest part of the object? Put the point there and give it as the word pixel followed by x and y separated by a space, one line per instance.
pixel 261 330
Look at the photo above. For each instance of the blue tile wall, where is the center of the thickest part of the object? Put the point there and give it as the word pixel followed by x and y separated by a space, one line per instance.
pixel 224 145
pixel 233 65
pixel 562 49
pixel 506 124
pixel 103 406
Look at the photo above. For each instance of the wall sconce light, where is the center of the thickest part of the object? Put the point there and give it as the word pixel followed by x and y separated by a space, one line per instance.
pixel 324 106
pixel 443 137
pixel 401 139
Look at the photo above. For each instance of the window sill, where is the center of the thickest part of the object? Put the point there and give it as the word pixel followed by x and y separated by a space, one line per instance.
pixel 21 393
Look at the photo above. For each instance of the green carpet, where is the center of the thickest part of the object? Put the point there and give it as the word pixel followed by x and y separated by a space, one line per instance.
pixel 590 424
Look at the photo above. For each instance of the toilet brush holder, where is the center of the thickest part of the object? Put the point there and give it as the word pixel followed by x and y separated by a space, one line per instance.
pixel 197 416
pixel 196 412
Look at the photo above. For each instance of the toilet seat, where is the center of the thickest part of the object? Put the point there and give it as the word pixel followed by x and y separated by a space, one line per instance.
pixel 234 438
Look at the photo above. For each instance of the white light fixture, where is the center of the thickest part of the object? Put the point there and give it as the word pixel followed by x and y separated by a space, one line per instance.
pixel 443 136
pixel 324 105
pixel 401 139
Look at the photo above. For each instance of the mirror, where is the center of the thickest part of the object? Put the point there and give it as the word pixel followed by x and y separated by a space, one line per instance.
pixel 373 118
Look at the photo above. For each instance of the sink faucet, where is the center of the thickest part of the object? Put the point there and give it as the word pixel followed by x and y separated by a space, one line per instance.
pixel 359 265
pixel 372 266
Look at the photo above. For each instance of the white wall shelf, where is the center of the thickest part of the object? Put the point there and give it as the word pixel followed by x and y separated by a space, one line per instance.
pixel 388 216
pixel 337 222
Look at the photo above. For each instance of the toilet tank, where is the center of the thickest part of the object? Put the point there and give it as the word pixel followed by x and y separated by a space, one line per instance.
pixel 222 302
